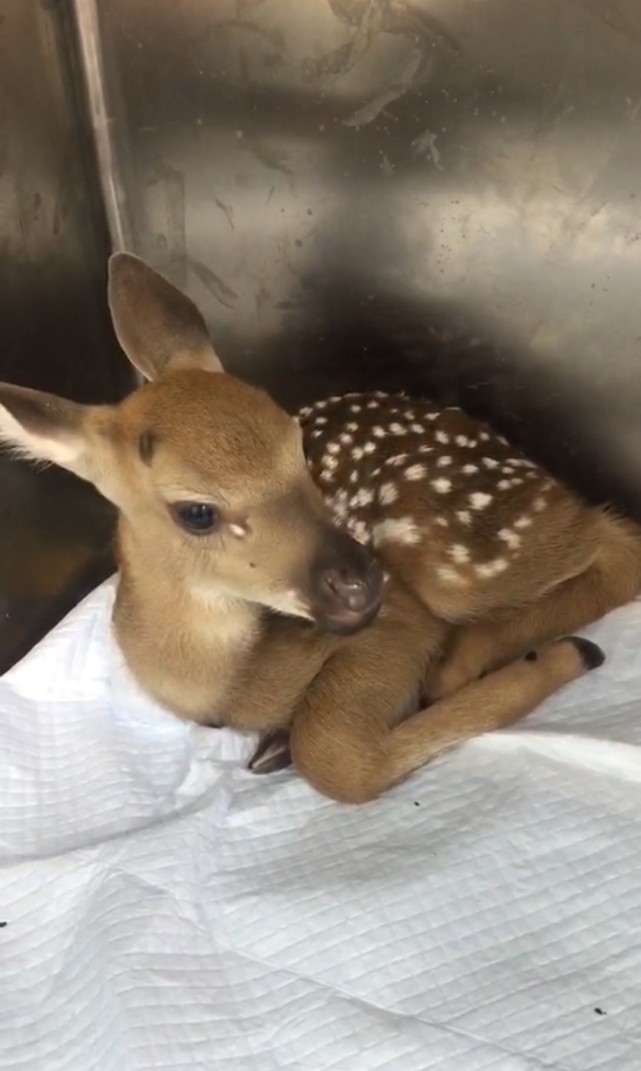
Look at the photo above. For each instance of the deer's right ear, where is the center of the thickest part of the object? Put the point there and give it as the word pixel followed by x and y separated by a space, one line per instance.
pixel 158 326
pixel 45 428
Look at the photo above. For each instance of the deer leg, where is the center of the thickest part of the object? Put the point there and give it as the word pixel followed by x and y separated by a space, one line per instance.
pixel 353 754
pixel 613 579
pixel 273 751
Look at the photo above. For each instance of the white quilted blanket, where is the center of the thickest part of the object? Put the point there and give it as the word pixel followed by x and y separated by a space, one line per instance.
pixel 163 908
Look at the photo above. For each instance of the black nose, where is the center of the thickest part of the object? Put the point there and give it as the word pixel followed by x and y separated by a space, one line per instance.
pixel 348 587
pixel 352 591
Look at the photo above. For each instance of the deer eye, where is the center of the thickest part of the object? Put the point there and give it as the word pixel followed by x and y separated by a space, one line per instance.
pixel 197 518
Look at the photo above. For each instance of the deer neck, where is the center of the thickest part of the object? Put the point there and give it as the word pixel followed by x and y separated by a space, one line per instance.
pixel 184 640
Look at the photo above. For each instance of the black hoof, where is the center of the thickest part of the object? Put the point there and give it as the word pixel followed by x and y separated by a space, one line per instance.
pixel 272 753
pixel 591 655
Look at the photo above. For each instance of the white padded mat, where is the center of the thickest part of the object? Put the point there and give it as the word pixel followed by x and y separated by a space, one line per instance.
pixel 166 909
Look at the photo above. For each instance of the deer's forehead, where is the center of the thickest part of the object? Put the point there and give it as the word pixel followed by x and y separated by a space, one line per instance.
pixel 237 477
pixel 192 401
pixel 210 425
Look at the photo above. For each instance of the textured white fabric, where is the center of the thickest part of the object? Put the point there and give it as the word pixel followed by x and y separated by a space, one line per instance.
pixel 166 909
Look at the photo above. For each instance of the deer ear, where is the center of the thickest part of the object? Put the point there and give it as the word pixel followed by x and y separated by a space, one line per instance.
pixel 43 427
pixel 157 325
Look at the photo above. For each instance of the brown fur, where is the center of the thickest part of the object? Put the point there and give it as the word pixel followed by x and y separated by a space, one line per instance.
pixel 486 556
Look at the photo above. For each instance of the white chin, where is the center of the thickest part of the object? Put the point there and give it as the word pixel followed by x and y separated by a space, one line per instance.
pixel 289 603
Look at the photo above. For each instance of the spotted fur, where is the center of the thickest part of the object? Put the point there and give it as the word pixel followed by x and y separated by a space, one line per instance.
pixel 400 472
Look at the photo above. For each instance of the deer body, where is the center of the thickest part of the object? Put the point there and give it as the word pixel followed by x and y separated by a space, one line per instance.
pixel 316 577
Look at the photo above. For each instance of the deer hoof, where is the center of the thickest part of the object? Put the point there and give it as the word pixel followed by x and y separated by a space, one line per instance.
pixel 272 753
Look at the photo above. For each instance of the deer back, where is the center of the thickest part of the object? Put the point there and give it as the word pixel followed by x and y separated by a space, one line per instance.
pixel 468 521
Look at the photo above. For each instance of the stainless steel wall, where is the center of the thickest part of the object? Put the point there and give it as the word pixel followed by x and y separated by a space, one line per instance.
pixel 440 195
pixel 435 192
pixel 55 532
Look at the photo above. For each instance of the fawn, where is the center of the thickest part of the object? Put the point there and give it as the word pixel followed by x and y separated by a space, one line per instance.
pixel 311 579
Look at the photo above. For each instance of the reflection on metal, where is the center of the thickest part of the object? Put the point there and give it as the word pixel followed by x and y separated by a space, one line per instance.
pixel 89 45
pixel 441 195
pixel 435 192
pixel 55 532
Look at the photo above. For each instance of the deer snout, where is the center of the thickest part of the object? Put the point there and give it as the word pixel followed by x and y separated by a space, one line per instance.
pixel 347 592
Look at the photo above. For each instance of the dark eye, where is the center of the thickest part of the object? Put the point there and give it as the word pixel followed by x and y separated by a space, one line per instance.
pixel 198 518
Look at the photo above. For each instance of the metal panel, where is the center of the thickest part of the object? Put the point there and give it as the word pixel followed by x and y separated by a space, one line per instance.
pixel 401 192
pixel 55 532
pixel 431 194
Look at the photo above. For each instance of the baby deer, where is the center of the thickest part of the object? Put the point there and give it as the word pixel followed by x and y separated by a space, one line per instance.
pixel 252 547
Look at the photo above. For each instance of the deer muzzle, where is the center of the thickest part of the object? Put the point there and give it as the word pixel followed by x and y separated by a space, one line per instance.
pixel 346 586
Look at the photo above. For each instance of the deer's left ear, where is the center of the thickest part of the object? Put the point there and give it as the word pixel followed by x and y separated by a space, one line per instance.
pixel 43 427
pixel 158 327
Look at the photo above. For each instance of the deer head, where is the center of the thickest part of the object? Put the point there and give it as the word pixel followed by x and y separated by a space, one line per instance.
pixel 208 473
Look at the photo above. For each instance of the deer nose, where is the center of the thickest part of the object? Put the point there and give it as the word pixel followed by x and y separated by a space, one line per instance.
pixel 353 591
pixel 350 594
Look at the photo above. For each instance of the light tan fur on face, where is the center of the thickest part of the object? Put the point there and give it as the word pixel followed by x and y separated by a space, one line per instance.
pixel 486 556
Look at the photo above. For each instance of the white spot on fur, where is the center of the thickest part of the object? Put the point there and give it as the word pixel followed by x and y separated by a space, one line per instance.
pixel 387 494
pixel 503 485
pixel 346 438
pixel 378 432
pixel 396 460
pixel 468 470
pixel 355 408
pixel 320 420
pixel 442 522
pixel 351 427
pixel 443 462
pixel 449 575
pixel 523 522
pixel 397 429
pixel 360 532
pixel 357 453
pixel 490 462
pixel 415 472
pixel 462 440
pixel 492 568
pixel 396 530
pixel 539 504
pixel 442 486
pixel 372 405
pixel 418 429
pixel 333 448
pixel 424 449
pixel 353 477
pixel 458 553
pixel 479 500
pixel 464 517
pixel 442 437
pixel 512 539
pixel 369 448
pixel 363 497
